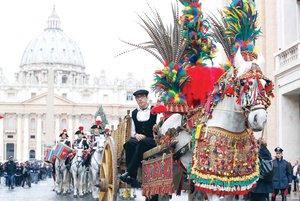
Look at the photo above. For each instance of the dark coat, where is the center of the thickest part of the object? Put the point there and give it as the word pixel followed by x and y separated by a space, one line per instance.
pixel 10 168
pixel 282 174
pixel 264 185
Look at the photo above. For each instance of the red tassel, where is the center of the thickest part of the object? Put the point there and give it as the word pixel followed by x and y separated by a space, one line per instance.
pixel 158 109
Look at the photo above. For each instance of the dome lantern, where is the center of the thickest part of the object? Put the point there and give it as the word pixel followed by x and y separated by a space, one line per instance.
pixel 53 20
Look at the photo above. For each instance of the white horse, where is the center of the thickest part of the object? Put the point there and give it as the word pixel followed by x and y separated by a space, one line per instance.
pixel 78 172
pixel 61 177
pixel 233 119
pixel 94 170
pixel 230 117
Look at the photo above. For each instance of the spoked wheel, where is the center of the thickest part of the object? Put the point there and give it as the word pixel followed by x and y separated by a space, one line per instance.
pixel 108 172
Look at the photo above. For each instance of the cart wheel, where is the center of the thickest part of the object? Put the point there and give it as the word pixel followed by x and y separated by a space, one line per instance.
pixel 108 172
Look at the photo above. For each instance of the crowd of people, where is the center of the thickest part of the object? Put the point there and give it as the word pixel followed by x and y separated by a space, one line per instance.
pixel 16 174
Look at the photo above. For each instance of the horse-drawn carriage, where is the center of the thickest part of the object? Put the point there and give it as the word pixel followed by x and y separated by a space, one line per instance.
pixel 209 113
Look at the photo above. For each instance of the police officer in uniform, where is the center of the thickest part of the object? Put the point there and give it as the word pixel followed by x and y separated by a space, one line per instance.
pixel 141 139
pixel 282 176
pixel 96 132
pixel 80 140
pixel 64 138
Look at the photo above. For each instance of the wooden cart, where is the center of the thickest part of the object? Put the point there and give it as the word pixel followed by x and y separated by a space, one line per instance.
pixel 113 160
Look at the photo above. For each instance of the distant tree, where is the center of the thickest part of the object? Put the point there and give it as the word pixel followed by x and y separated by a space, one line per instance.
pixel 101 113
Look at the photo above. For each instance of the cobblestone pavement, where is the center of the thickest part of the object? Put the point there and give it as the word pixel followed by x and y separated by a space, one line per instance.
pixel 43 192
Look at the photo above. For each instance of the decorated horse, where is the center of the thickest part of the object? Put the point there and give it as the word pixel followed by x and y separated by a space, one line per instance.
pixel 61 177
pixel 221 107
pixel 95 165
pixel 78 171
pixel 62 174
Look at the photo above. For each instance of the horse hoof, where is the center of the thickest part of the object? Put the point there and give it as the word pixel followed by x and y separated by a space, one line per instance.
pixel 74 196
pixel 58 193
pixel 81 196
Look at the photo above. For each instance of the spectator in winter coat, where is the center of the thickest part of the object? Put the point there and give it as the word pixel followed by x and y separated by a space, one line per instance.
pixel 264 185
pixel 1 171
pixel 26 174
pixel 19 175
pixel 10 169
pixel 282 177
pixel 295 179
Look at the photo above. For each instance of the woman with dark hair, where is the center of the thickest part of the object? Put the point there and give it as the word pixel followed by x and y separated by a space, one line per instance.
pixel 264 185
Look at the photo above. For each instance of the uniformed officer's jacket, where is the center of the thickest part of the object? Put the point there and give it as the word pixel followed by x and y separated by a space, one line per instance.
pixel 282 175
pixel 84 143
pixel 66 142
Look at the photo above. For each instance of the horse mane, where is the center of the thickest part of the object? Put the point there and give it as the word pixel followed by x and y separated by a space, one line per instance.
pixel 201 84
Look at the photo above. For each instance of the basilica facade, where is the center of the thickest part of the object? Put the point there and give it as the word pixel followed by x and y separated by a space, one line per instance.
pixel 52 80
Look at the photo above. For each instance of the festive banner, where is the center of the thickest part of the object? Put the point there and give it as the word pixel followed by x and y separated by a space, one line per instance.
pixel 49 156
pixel 62 151
pixel 158 176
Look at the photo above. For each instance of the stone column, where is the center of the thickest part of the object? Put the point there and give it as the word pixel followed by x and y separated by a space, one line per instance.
pixel 26 138
pixel 19 137
pixel 38 149
pixel 50 108
pixel 1 140
pixel 76 124
pixel 56 128
pixel 70 128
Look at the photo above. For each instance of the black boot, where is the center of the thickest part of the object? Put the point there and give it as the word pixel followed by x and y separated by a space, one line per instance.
pixel 124 176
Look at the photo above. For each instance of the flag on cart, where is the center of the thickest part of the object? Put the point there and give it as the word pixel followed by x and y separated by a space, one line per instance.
pixel 62 151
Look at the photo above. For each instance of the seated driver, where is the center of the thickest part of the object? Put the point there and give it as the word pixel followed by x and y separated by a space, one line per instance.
pixel 143 123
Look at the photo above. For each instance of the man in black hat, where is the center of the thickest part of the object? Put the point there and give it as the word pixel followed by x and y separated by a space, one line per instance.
pixel 80 140
pixel 141 139
pixel 96 131
pixel 64 138
pixel 282 176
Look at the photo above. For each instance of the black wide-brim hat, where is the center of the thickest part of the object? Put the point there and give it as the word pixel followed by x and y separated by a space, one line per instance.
pixel 141 92
pixel 278 149
pixel 79 132
pixel 95 126
pixel 64 133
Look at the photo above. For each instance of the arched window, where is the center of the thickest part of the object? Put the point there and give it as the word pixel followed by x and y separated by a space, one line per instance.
pixel 32 124
pixel 129 96
pixel 10 150
pixel 32 154
pixel 63 124
pixel 64 79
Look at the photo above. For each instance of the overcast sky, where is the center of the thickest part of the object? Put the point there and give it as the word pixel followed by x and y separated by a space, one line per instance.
pixel 95 25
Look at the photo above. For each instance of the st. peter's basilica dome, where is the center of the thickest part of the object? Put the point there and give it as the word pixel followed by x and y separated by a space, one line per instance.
pixel 53 46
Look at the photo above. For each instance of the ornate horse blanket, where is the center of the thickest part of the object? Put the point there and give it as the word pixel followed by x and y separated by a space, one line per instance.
pixel 225 163
pixel 158 176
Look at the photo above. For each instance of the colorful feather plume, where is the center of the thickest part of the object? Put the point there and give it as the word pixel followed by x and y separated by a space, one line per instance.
pixel 196 29
pixel 219 33
pixel 169 81
pixel 166 42
pixel 241 24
